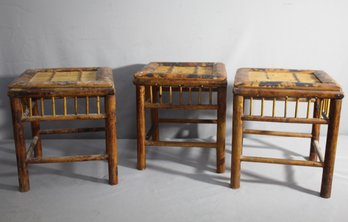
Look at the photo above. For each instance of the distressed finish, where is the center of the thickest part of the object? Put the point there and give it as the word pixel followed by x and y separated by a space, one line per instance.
pixel 322 97
pixel 180 86
pixel 55 94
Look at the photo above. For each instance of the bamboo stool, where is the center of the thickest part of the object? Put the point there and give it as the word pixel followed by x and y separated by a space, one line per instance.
pixel 316 89
pixel 53 94
pixel 156 86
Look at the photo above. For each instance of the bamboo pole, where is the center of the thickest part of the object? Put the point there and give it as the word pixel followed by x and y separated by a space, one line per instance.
pixel 274 107
pixel 262 105
pixel 53 106
pixel 98 104
pixel 64 106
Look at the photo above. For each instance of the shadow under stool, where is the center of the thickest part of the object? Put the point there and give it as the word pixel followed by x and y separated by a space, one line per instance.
pixel 316 89
pixel 53 95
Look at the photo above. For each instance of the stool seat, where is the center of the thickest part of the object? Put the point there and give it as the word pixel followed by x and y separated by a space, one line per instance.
pixel 288 90
pixel 63 81
pixel 56 94
pixel 169 73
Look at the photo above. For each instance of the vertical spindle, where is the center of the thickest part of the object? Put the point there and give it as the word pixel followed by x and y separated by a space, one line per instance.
pixel 190 95
pixel 53 106
pixel 296 107
pixel 170 94
pixel 160 94
pixel 274 106
pixel 262 105
pixel 200 95
pixel 210 96
pixel 181 98
pixel 151 95
pixel 64 106
pixel 251 106
pixel 308 107
pixel 42 106
pixel 87 105
pixel 285 107
pixel 30 107
pixel 98 104
pixel 76 108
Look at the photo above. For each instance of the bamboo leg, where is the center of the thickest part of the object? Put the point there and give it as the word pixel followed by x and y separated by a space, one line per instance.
pixel 154 118
pixel 35 129
pixel 140 94
pixel 18 132
pixel 315 130
pixel 221 131
pixel 330 152
pixel 111 143
pixel 237 137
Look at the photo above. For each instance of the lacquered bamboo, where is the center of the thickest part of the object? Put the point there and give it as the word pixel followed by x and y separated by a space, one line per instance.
pixel 151 95
pixel 35 131
pixel 180 144
pixel 251 106
pixel 182 107
pixel 64 106
pixel 277 133
pixel 98 104
pixel 160 94
pixel 53 106
pixel 181 96
pixel 285 107
pixel 221 131
pixel 210 96
pixel 296 107
pixel 237 137
pixel 140 97
pixel 111 135
pixel 87 105
pixel 30 107
pixel 285 120
pixel 281 161
pixel 42 104
pixel 71 130
pixel 67 159
pixel 75 105
pixel 170 95
pixel 330 151
pixel 274 107
pixel 315 129
pixel 190 95
pixel 308 107
pixel 262 105
pixel 90 116
pixel 169 120
pixel 18 132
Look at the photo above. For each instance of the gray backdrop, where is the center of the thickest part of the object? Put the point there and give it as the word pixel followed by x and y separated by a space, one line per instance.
pixel 125 35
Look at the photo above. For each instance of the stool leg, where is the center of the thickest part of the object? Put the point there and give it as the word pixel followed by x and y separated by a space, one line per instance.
pixel 315 130
pixel 221 131
pixel 154 117
pixel 35 130
pixel 18 132
pixel 237 138
pixel 140 94
pixel 330 152
pixel 111 143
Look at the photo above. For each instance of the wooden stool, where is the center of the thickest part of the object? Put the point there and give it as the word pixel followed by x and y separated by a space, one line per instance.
pixel 35 96
pixel 156 85
pixel 316 89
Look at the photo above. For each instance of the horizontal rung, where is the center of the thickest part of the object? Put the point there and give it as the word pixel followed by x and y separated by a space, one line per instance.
pixel 281 161
pixel 318 150
pixel 72 130
pixel 277 133
pixel 64 159
pixel 285 120
pixel 67 117
pixel 183 107
pixel 168 120
pixel 180 144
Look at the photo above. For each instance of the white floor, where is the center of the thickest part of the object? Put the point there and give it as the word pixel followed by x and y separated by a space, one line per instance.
pixel 179 184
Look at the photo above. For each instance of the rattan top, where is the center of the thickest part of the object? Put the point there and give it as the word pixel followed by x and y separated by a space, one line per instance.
pixel 285 79
pixel 55 79
pixel 170 73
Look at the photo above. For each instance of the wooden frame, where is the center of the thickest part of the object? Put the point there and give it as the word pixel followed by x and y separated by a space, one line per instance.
pixel 326 96
pixel 29 100
pixel 157 79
